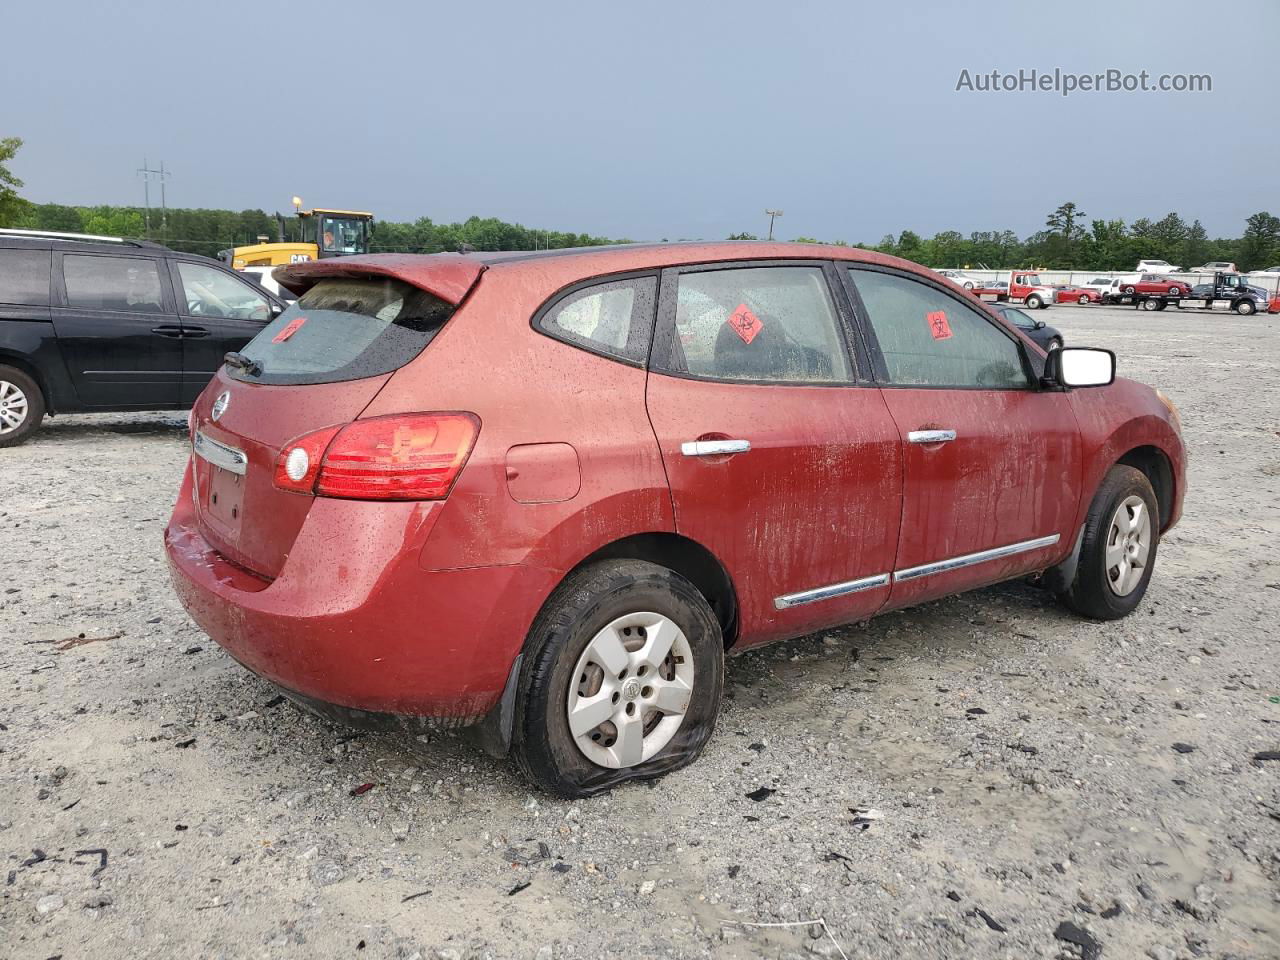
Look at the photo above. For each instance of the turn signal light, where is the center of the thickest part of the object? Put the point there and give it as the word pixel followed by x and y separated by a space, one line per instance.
pixel 404 457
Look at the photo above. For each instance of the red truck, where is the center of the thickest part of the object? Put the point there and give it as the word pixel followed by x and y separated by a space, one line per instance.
pixel 542 497
pixel 1022 286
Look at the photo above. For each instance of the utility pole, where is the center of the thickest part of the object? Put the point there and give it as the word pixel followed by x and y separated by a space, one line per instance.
pixel 147 173
pixel 772 215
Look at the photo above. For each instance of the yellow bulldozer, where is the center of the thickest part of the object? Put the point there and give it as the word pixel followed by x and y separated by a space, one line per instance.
pixel 325 233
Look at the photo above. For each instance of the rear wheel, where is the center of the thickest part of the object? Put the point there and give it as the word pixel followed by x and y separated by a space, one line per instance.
pixel 622 679
pixel 21 406
pixel 1150 304
pixel 1118 551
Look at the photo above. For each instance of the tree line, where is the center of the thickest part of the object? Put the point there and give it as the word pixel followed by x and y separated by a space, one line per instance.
pixel 1069 240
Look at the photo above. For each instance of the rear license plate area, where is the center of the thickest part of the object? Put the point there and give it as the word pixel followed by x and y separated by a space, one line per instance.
pixel 226 498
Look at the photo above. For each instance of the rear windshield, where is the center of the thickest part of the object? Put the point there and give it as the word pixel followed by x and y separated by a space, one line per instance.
pixel 345 330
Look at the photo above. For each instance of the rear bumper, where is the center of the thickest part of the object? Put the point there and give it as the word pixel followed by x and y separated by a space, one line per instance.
pixel 354 621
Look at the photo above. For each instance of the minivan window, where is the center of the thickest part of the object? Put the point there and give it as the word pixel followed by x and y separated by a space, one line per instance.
pixel 24 276
pixel 345 329
pixel 112 283
pixel 212 293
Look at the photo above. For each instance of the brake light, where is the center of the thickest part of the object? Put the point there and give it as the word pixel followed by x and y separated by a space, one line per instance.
pixel 404 457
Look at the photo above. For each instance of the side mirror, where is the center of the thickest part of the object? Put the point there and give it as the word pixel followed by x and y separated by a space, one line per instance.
pixel 1039 324
pixel 1081 367
pixel 277 309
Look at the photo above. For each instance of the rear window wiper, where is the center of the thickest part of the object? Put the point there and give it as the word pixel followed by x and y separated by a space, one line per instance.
pixel 238 360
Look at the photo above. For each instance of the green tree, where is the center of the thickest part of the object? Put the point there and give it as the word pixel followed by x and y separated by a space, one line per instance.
pixel 13 208
pixel 1260 245
pixel 1195 246
pixel 1065 224
pixel 742 236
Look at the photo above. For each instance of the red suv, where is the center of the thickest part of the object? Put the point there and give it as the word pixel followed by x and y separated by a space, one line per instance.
pixel 543 495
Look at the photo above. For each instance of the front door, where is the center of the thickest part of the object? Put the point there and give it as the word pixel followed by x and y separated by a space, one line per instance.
pixel 992 463
pixel 781 456
pixel 118 330
pixel 220 313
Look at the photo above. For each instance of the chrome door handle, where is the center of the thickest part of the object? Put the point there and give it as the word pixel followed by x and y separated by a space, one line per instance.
pixel 714 448
pixel 931 436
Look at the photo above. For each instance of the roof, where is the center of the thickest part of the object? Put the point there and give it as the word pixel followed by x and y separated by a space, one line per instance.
pixel 451 275
pixel 53 235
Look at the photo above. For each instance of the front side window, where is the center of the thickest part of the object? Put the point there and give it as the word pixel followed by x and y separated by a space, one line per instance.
pixel 928 338
pixel 112 283
pixel 759 324
pixel 614 318
pixel 24 276
pixel 212 293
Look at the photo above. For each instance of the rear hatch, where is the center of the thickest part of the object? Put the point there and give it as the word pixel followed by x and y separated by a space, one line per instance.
pixel 318 365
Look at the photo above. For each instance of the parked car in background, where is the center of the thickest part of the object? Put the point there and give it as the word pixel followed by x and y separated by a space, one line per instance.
pixel 1269 271
pixel 262 276
pixel 1156 283
pixel 1155 266
pixel 963 279
pixel 96 324
pixel 1047 337
pixel 1070 294
pixel 674 485
pixel 1214 266
pixel 1099 285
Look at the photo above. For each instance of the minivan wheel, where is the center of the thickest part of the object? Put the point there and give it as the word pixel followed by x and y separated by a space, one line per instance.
pixel 1118 552
pixel 21 406
pixel 622 679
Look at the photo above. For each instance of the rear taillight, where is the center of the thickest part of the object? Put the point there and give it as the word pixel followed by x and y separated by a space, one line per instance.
pixel 408 457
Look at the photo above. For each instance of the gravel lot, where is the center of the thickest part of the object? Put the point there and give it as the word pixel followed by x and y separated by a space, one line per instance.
pixel 1032 770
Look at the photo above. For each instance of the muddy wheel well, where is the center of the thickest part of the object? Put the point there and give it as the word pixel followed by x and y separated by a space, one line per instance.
pixel 1153 462
pixel 19 363
pixel 691 560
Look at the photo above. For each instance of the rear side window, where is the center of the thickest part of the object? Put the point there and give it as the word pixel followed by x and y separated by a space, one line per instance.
pixel 772 324
pixel 345 330
pixel 24 276
pixel 112 283
pixel 928 338
pixel 614 318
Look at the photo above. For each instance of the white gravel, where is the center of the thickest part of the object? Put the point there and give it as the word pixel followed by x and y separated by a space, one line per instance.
pixel 158 801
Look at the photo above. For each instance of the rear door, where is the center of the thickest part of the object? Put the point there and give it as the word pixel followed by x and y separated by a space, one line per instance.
pixel 992 463
pixel 219 313
pixel 781 455
pixel 118 329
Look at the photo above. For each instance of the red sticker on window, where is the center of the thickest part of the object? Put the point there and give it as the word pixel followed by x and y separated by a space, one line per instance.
pixel 938 325
pixel 294 326
pixel 745 323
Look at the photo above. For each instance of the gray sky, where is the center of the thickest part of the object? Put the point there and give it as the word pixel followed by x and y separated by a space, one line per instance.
pixel 648 120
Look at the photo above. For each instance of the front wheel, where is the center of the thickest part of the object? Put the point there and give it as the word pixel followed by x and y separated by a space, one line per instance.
pixel 1034 302
pixel 1129 290
pixel 621 681
pixel 1245 308
pixel 1118 551
pixel 21 406
pixel 1084 298
pixel 1054 344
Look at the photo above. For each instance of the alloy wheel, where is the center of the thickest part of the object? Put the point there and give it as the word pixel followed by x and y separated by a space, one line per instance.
pixel 630 690
pixel 1128 545
pixel 13 407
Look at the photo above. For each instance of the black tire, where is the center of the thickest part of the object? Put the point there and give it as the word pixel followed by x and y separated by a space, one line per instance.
pixel 1129 290
pixel 1090 594
pixel 1084 299
pixel 1161 304
pixel 1033 302
pixel 1245 308
pixel 1054 344
pixel 1150 304
pixel 542 743
pixel 35 407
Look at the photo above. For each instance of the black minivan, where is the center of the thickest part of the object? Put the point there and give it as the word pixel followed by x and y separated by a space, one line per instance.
pixel 99 324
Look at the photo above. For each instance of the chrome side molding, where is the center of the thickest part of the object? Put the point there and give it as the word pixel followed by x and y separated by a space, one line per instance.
pixel 789 600
pixel 827 593
pixel 969 559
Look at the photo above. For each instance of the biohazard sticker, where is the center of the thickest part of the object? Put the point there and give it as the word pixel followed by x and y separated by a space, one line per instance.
pixel 745 323
pixel 938 325
pixel 294 326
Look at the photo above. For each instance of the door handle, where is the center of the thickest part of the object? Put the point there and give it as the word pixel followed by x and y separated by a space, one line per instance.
pixel 713 448
pixel 931 436
pixel 194 332
pixel 168 330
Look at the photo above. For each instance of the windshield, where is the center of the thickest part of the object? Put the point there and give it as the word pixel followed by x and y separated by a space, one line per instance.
pixel 345 330
pixel 342 235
